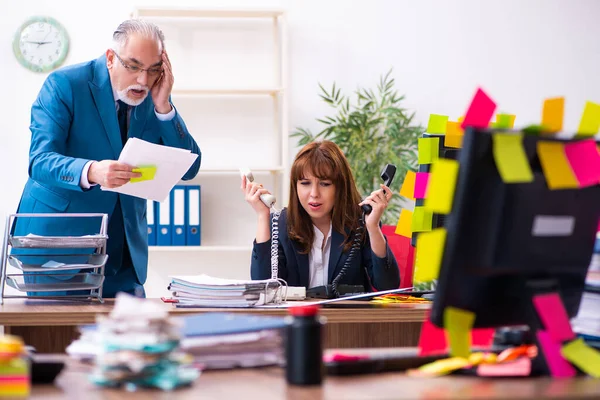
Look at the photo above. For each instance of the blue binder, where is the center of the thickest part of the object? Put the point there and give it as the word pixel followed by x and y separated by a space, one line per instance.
pixel 163 213
pixel 151 218
pixel 212 324
pixel 193 204
pixel 179 213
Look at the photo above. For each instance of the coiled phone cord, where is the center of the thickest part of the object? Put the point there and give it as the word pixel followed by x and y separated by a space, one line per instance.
pixel 275 243
pixel 356 244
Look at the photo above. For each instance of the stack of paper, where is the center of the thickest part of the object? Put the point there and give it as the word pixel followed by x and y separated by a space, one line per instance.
pixel 207 291
pixel 587 321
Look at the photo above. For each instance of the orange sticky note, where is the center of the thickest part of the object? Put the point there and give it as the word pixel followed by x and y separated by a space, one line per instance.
pixel 583 357
pixel 556 166
pixel 408 187
pixel 430 250
pixel 454 135
pixel 590 120
pixel 441 185
pixel 511 159
pixel 552 114
pixel 458 324
pixel 404 223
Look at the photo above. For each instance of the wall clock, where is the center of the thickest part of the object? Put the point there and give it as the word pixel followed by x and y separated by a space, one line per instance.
pixel 41 44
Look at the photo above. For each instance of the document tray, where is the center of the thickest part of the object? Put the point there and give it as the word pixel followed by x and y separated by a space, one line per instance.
pixel 77 282
pixel 55 242
pixel 40 263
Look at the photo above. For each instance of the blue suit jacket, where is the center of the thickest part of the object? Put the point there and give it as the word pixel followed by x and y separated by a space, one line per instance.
pixel 73 121
pixel 366 268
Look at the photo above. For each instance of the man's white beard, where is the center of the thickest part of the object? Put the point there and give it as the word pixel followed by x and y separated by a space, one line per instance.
pixel 122 94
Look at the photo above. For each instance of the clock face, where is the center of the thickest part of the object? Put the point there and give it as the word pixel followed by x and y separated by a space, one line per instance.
pixel 41 44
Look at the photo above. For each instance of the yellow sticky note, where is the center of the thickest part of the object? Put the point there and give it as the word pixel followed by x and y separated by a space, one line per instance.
pixel 590 120
pixel 408 187
pixel 147 174
pixel 404 223
pixel 552 114
pixel 461 119
pixel 454 135
pixel 421 220
pixel 505 121
pixel 441 185
pixel 430 250
pixel 458 324
pixel 511 159
pixel 582 356
pixel 556 166
pixel 429 150
pixel 437 123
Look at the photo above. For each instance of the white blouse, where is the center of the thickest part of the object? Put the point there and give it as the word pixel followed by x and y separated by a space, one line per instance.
pixel 318 258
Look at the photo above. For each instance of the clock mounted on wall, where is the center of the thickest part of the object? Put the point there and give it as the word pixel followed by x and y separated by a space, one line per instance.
pixel 41 44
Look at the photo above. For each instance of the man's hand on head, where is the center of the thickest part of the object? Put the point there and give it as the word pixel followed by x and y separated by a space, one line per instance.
pixel 110 173
pixel 161 90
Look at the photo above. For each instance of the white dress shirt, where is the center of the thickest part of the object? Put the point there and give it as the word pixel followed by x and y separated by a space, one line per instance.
pixel 318 258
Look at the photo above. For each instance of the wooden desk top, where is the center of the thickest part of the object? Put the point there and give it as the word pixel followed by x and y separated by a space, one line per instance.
pixel 269 383
pixel 17 312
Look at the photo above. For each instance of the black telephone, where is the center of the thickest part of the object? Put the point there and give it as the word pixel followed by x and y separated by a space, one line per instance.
pixel 335 289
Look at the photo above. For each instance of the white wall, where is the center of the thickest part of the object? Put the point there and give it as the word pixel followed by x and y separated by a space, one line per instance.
pixel 519 51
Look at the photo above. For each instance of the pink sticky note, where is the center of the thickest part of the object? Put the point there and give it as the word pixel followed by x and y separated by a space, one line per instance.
pixel 421 184
pixel 519 367
pixel 482 338
pixel 585 161
pixel 480 111
pixel 432 339
pixel 558 366
pixel 551 310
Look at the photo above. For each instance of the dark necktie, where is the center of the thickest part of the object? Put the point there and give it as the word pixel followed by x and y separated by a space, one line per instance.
pixel 122 117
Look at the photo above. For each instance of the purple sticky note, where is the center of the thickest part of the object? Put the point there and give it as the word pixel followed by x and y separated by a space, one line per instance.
pixel 480 111
pixel 552 312
pixel 585 161
pixel 421 184
pixel 558 366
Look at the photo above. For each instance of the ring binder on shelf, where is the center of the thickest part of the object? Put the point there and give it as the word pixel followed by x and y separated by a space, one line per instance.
pixel 193 236
pixel 179 215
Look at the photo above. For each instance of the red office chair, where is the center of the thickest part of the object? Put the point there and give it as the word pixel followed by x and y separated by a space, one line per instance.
pixel 404 253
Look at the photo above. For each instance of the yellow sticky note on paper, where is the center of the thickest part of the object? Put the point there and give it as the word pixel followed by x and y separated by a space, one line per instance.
pixel 429 150
pixel 556 166
pixel 505 121
pixel 458 324
pixel 408 186
pixel 582 356
pixel 441 185
pixel 590 120
pixel 430 251
pixel 437 123
pixel 511 159
pixel 404 223
pixel 553 113
pixel 147 174
pixel 421 219
pixel 454 135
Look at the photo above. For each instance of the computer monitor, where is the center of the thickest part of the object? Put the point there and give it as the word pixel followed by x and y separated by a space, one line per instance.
pixel 495 256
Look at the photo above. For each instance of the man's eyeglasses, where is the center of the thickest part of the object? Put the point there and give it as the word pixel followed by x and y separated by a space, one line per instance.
pixel 152 71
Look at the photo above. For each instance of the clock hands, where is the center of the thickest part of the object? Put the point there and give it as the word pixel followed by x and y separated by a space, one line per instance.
pixel 38 43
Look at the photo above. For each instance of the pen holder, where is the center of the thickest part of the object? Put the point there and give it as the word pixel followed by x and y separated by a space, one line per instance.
pixel 304 346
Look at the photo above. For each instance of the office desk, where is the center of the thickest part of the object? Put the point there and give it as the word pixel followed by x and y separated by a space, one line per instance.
pixel 51 327
pixel 269 383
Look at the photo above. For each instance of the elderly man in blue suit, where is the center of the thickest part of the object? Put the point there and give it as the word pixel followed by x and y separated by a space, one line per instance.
pixel 80 122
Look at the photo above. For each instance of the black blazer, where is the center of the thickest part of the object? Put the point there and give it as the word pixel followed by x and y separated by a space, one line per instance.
pixel 366 269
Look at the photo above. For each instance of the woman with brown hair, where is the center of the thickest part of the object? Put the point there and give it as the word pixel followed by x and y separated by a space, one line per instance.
pixel 318 228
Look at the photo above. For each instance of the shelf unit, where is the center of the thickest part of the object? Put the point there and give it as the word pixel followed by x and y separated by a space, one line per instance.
pixel 228 224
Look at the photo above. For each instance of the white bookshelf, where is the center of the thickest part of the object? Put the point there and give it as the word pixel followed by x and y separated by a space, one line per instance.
pixel 231 90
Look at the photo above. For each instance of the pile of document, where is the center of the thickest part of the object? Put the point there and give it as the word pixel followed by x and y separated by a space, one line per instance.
pixel 227 340
pixel 587 321
pixel 207 291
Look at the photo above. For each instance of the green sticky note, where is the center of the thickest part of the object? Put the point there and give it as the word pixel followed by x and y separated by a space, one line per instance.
pixel 421 221
pixel 505 121
pixel 429 150
pixel 147 172
pixel 582 356
pixel 437 124
pixel 458 324
pixel 511 159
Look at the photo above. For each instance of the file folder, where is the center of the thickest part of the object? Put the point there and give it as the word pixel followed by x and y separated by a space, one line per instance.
pixel 193 237
pixel 179 215
pixel 163 234
pixel 151 218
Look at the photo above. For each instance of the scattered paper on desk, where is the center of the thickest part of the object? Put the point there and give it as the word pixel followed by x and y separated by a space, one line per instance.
pixel 454 135
pixel 421 219
pixel 408 186
pixel 552 114
pixel 558 366
pixel 458 324
pixel 429 150
pixel 505 121
pixel 171 164
pixel 584 159
pixel 511 159
pixel 480 111
pixel 430 250
pixel 590 120
pixel 147 174
pixel 551 311
pixel 441 185
pixel 519 367
pixel 437 124
pixel 404 223
pixel 555 166
pixel 440 367
pixel 421 180
pixel 583 357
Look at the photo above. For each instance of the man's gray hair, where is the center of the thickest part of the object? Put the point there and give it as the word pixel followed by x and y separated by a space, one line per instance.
pixel 137 26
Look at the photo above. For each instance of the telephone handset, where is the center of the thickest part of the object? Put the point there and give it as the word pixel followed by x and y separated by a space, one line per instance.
pixel 268 199
pixel 387 174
